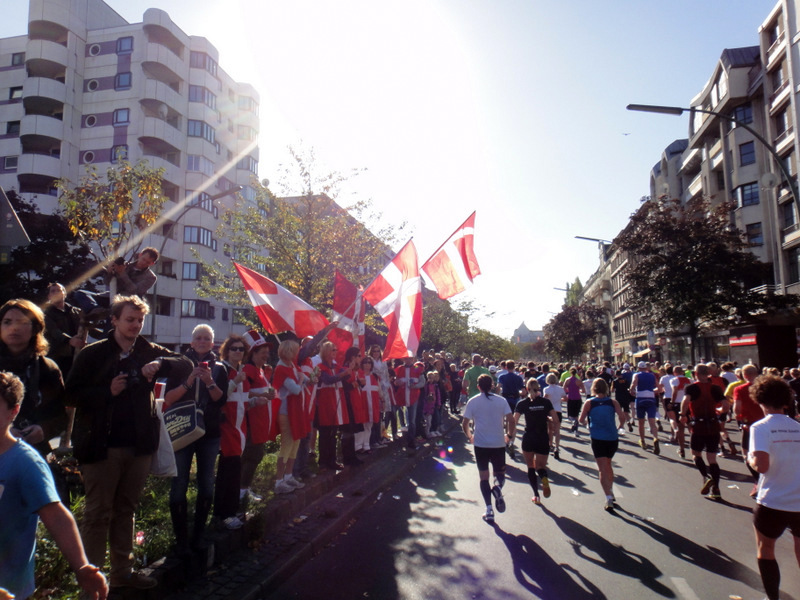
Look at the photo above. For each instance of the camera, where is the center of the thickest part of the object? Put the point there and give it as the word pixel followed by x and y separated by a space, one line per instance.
pixel 127 366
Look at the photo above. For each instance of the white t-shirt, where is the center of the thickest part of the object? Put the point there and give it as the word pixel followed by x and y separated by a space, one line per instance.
pixel 555 393
pixel 587 385
pixel 678 386
pixel 488 414
pixel 729 376
pixel 666 383
pixel 778 436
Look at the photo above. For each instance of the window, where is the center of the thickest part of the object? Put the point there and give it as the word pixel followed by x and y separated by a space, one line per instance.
pixel 224 314
pixel 748 194
pixel 200 164
pixel 793 257
pixel 123 81
pixel 10 162
pixel 201 60
pixel 198 235
pixel 125 45
pixel 754 234
pixel 249 104
pixel 247 133
pixel 743 113
pixel 167 267
pixel 122 116
pixel 15 93
pixel 197 308
pixel 191 271
pixel 248 163
pixel 747 153
pixel 12 128
pixel 787 215
pixel 163 306
pixel 240 316
pixel 197 93
pixel 17 59
pixel 201 129
pixel 201 200
pixel 119 153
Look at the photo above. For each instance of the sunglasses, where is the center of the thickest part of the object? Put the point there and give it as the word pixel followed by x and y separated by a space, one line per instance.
pixel 237 349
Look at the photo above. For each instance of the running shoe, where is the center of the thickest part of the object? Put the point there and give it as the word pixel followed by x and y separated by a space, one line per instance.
pixel 574 427
pixel 499 501
pixel 536 500
pixel 282 487
pixel 642 444
pixel 715 493
pixel 556 454
pixel 609 506
pixel 546 486
pixel 732 446
pixel 489 516
pixel 233 523
pixel 630 426
pixel 659 425
pixel 707 485
pixel 681 452
pixel 295 483
pixel 656 448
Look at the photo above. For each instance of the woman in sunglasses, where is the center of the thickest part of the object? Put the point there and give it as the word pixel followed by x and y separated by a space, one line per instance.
pixel 233 429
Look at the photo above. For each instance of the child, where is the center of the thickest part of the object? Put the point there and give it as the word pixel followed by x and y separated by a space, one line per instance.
pixel 432 401
pixel 371 396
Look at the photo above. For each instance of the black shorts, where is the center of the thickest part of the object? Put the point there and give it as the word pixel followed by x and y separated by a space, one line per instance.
pixel 560 416
pixel 496 456
pixel 670 406
pixel 574 408
pixel 705 442
pixel 771 522
pixel 535 443
pixel 604 448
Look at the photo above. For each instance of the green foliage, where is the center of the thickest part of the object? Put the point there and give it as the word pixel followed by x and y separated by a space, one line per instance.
pixel 574 292
pixel 568 333
pixel 443 327
pixel 52 256
pixel 300 241
pixel 688 266
pixel 112 212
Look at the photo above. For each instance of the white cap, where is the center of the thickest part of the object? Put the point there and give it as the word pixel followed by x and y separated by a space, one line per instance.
pixel 642 365
pixel 254 339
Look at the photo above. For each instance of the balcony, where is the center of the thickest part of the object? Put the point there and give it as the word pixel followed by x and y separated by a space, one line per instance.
pixel 776 51
pixel 39 126
pixel 45 51
pixel 160 91
pixel 784 140
pixel 38 166
pixel 779 97
pixel 154 127
pixel 47 10
pixel 36 89
pixel 160 58
pixel 790 236
pixel 695 187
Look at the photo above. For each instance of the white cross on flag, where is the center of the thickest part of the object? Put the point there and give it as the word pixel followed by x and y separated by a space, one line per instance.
pixel 279 309
pixel 348 311
pixel 454 265
pixel 397 296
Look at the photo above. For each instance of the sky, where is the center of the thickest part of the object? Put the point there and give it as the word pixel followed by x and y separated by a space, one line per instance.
pixel 512 108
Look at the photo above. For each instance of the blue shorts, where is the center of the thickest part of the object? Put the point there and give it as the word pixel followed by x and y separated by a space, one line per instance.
pixel 646 406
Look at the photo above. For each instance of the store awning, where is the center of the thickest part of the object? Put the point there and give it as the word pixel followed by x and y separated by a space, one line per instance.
pixel 641 353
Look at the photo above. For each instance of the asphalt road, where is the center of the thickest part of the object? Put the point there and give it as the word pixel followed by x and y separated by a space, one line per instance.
pixel 424 537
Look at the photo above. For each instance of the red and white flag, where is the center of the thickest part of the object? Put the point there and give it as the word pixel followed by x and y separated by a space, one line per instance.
pixel 348 310
pixel 397 296
pixel 454 265
pixel 279 309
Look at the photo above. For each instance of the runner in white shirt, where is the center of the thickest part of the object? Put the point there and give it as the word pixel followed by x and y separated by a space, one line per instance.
pixel 556 394
pixel 775 453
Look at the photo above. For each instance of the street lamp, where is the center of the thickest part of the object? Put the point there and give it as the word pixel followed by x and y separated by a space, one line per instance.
pixel 677 111
pixel 232 190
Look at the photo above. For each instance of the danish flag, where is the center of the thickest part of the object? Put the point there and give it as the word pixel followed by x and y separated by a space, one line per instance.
pixel 277 308
pixel 397 296
pixel 348 310
pixel 454 265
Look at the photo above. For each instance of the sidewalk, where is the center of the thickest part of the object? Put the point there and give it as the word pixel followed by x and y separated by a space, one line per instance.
pixel 285 532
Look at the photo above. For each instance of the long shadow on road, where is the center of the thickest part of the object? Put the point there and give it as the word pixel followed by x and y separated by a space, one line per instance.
pixel 612 557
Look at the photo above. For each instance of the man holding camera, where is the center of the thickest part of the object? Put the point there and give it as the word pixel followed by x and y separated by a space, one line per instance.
pixel 116 432
pixel 134 277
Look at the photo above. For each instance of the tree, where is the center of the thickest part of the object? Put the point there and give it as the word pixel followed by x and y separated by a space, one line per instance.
pixel 299 241
pixel 689 267
pixel 53 255
pixel 574 293
pixel 569 332
pixel 110 214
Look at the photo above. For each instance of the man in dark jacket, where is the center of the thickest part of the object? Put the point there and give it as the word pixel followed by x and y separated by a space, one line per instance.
pixel 116 432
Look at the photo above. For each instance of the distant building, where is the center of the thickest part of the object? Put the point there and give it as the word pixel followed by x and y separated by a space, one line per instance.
pixel 523 335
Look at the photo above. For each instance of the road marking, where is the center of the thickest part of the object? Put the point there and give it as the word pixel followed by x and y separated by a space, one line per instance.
pixel 686 592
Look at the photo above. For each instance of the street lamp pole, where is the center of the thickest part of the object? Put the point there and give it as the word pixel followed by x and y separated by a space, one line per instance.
pixel 677 111
pixel 232 190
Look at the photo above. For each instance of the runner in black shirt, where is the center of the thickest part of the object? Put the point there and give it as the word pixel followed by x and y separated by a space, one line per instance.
pixel 540 421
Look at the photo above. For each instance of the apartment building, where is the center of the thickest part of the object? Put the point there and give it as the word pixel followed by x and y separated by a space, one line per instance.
pixel 85 87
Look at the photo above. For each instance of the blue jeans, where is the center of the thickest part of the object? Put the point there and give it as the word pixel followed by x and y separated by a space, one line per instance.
pixel 206 450
pixel 412 425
